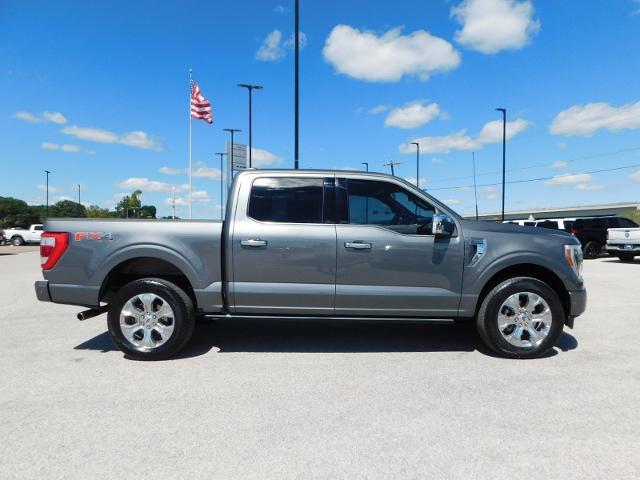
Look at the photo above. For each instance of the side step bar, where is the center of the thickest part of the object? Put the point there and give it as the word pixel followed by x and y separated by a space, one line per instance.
pixel 228 316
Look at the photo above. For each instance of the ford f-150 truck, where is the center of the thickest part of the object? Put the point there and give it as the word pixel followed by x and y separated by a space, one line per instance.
pixel 624 242
pixel 20 236
pixel 316 244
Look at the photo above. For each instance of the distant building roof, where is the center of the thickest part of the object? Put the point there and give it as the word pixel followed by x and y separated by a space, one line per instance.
pixel 560 212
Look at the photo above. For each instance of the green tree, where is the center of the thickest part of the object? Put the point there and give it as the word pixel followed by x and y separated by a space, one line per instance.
pixel 16 213
pixel 130 205
pixel 68 208
pixel 94 211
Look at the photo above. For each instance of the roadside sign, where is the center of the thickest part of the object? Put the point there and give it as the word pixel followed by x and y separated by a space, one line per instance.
pixel 239 156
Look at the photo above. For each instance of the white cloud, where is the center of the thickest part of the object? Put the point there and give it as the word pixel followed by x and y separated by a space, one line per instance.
pixel 378 109
pixel 203 171
pixel 412 115
pixel 489 26
pixel 64 147
pixel 54 117
pixel 569 179
pixel 198 196
pixel 437 160
pixel 560 164
pixel 42 187
pixel 271 50
pixel 263 158
pixel 412 181
pixel 491 132
pixel 388 57
pixel 172 171
pixel 451 201
pixel 585 120
pixel 27 117
pixel 491 193
pixel 291 42
pixel 64 197
pixel 586 187
pixel 147 185
pixel 280 9
pixel 137 138
pixel 635 176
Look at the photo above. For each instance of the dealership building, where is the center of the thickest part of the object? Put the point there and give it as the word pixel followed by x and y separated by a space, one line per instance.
pixel 617 209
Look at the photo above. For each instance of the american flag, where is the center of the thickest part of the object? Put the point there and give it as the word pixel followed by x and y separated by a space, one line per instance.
pixel 200 106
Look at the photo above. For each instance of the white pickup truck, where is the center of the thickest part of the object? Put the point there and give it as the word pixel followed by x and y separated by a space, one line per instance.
pixel 624 242
pixel 18 236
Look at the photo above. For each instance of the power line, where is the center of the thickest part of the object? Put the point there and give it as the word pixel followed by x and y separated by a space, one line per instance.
pixel 539 179
pixel 586 157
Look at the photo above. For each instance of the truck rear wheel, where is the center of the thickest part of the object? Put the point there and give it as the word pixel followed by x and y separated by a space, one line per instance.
pixel 521 317
pixel 151 319
pixel 17 241
pixel 626 257
pixel 592 250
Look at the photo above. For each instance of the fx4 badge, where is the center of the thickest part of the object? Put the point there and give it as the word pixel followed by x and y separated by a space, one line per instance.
pixel 79 236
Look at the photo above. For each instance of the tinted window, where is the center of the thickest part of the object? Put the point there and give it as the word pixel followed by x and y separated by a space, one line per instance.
pixel 626 223
pixel 290 200
pixel 38 227
pixel 389 205
pixel 568 225
pixel 548 224
pixel 529 224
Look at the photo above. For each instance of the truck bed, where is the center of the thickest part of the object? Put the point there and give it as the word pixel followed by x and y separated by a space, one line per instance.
pixel 102 247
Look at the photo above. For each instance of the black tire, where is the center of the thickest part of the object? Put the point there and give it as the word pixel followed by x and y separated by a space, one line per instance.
pixel 626 257
pixel 17 241
pixel 487 319
pixel 591 250
pixel 183 318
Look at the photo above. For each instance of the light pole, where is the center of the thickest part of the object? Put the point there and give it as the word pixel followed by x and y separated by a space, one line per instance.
pixel 250 88
pixel 79 195
pixel 222 154
pixel 173 202
pixel 391 164
pixel 504 148
pixel 366 165
pixel 417 163
pixel 47 172
pixel 230 170
pixel 297 83
pixel 475 189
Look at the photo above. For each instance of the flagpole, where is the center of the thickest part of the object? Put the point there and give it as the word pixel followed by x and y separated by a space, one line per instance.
pixel 190 179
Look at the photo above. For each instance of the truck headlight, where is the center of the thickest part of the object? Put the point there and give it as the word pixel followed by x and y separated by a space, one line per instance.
pixel 573 254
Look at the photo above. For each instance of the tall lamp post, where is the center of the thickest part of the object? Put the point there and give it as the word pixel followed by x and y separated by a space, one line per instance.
pixel 366 165
pixel 504 149
pixel 222 154
pixel 297 83
pixel 475 189
pixel 79 195
pixel 47 172
pixel 230 170
pixel 250 88
pixel 417 163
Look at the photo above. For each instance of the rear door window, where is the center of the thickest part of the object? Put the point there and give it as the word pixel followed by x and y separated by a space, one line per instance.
pixel 287 200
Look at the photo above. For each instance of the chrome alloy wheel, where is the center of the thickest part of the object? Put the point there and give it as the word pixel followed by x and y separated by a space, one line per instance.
pixel 524 319
pixel 146 321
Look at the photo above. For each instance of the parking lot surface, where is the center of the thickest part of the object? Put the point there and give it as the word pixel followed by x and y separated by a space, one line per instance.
pixel 318 400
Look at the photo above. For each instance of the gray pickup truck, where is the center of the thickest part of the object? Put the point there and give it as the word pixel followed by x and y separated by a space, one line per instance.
pixel 316 244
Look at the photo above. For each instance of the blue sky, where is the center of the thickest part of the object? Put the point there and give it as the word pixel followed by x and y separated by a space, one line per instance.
pixel 97 92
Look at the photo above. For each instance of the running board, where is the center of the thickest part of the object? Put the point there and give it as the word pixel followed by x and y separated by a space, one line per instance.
pixel 222 316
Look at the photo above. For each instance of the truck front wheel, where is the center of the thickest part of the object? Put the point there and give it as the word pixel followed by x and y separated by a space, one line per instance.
pixel 521 317
pixel 151 319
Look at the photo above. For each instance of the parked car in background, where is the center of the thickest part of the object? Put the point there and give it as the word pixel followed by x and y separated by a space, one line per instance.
pixel 565 224
pixel 316 244
pixel 624 243
pixel 1 237
pixel 592 232
pixel 18 236
pixel 522 223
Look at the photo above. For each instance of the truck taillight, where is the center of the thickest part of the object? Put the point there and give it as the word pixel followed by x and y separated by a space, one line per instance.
pixel 574 231
pixel 52 247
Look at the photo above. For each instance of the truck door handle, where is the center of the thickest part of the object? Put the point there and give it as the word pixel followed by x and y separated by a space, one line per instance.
pixel 253 242
pixel 358 245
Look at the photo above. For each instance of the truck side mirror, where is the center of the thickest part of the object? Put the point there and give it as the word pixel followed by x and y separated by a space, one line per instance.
pixel 443 225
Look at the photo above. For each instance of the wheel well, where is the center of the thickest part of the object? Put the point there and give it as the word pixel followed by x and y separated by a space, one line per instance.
pixel 143 267
pixel 528 270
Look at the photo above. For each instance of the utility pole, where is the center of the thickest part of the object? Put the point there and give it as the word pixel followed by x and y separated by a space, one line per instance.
pixel 417 163
pixel 230 170
pixel 173 202
pixel 79 195
pixel 47 172
pixel 475 189
pixel 504 148
pixel 250 88
pixel 366 164
pixel 297 84
pixel 392 164
pixel 222 154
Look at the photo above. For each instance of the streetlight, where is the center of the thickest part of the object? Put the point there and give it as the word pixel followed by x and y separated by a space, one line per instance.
pixel 504 147
pixel 79 195
pixel 222 154
pixel 231 131
pixel 475 189
pixel 250 88
pixel 47 172
pixel 417 163
pixel 366 164
pixel 297 82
